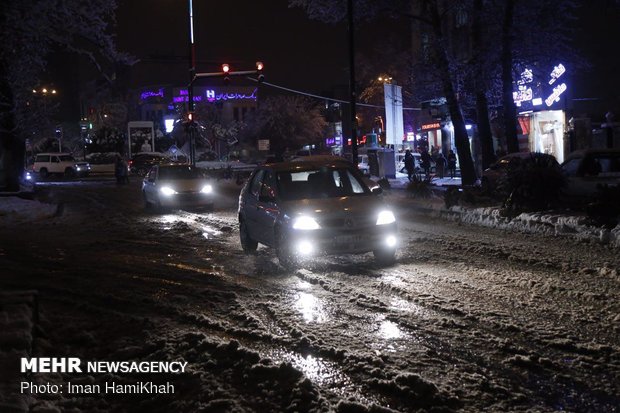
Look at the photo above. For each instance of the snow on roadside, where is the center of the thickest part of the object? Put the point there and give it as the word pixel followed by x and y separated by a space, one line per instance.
pixel 15 209
pixel 548 223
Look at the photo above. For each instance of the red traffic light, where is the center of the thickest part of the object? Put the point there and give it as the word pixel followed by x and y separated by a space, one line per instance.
pixel 225 68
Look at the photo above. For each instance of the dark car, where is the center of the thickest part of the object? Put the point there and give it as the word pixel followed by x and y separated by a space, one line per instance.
pixel 494 173
pixel 587 171
pixel 314 208
pixel 142 162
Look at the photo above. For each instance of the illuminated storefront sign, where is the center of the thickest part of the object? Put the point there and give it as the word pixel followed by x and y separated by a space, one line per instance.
pixel 211 95
pixel 429 126
pixel 557 72
pixel 535 88
pixel 555 96
pixel 149 94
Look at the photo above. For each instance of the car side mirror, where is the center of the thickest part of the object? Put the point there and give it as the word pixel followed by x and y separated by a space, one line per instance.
pixel 377 190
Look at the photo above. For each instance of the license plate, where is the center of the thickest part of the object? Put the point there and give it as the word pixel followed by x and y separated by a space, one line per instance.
pixel 349 239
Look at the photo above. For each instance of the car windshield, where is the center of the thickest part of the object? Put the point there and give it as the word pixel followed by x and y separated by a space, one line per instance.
pixel 66 158
pixel 183 172
pixel 320 183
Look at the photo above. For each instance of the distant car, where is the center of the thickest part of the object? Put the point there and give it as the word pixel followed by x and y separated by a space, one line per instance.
pixel 313 208
pixel 494 173
pixel 177 186
pixel 586 171
pixel 103 163
pixel 59 163
pixel 362 164
pixel 142 162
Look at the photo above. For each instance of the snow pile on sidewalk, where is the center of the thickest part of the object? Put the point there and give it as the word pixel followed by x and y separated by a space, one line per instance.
pixel 15 209
pixel 549 223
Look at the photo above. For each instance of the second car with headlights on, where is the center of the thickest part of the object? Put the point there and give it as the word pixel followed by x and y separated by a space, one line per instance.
pixel 315 208
pixel 177 186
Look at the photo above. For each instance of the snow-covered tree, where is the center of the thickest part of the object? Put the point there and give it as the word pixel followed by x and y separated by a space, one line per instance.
pixel 30 30
pixel 289 122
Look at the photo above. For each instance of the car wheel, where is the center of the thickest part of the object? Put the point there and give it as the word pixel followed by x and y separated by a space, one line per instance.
pixel 69 173
pixel 247 243
pixel 43 172
pixel 385 256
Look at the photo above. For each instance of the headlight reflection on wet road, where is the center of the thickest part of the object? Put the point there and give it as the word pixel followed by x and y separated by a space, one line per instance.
pixel 311 308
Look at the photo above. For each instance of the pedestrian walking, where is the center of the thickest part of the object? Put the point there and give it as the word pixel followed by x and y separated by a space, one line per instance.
pixel 452 163
pixel 425 163
pixel 120 171
pixel 409 164
pixel 440 164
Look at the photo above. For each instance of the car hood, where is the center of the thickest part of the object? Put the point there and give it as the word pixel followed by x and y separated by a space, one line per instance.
pixel 184 185
pixel 367 206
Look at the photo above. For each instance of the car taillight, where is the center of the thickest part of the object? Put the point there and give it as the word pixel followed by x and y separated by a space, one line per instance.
pixel 129 163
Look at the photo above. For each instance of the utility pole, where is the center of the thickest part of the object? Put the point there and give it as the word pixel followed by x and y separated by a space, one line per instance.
pixel 190 89
pixel 353 96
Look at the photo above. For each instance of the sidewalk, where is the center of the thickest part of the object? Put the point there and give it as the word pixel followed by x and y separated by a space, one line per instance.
pixel 401 181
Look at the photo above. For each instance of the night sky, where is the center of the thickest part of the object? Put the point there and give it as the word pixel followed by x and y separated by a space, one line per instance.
pixel 297 52
pixel 312 56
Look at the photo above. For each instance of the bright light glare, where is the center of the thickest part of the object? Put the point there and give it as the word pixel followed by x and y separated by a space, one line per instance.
pixel 166 190
pixel 390 241
pixel 305 222
pixel 169 125
pixel 305 247
pixel 385 217
pixel 207 189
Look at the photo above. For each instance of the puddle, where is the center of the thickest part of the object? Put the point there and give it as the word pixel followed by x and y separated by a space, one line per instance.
pixel 311 308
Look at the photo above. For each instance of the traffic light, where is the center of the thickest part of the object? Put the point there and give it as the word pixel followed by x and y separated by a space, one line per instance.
pixel 58 132
pixel 259 72
pixel 226 71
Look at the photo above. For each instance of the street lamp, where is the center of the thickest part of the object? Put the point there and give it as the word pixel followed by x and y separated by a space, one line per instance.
pixel 43 93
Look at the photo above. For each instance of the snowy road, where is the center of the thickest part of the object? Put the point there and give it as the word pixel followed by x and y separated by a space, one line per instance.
pixel 469 319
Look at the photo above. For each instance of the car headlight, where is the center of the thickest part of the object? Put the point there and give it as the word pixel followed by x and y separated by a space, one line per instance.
pixel 385 217
pixel 207 189
pixel 166 190
pixel 305 222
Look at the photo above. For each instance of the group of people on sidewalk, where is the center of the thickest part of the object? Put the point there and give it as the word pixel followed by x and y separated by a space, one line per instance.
pixel 441 163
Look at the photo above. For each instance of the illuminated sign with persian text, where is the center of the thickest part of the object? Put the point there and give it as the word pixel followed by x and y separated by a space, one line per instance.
pixel 149 94
pixel 555 96
pixel 534 88
pixel 211 95
pixel 557 72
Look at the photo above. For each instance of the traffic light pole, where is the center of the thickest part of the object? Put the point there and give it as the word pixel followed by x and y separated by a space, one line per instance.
pixel 190 89
pixel 353 96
